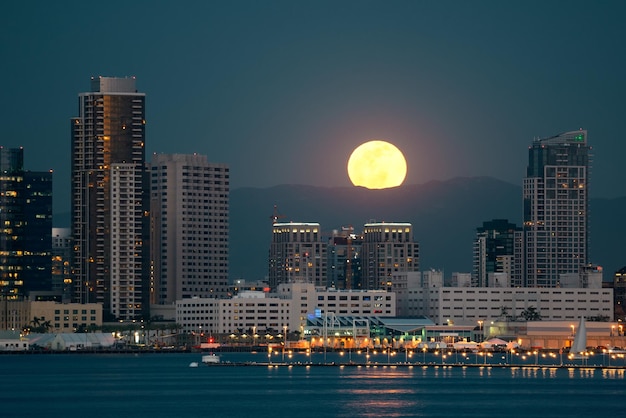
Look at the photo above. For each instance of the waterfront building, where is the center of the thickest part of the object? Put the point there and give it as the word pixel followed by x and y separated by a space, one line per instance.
pixel 66 317
pixel 468 305
pixel 286 309
pixel 297 254
pixel 13 341
pixel 49 315
pixel 494 254
pixel 344 259
pixel 189 206
pixel 388 249
pixel 246 313
pixel 26 218
pixel 110 262
pixel 557 334
pixel 556 208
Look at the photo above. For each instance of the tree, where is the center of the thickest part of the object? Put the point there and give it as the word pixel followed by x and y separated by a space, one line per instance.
pixel 531 314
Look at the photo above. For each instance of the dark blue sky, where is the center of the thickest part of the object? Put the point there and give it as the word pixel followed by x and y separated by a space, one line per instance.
pixel 282 91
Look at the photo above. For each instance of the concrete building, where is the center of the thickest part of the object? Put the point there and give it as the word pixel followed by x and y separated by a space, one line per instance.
pixel 189 204
pixel 244 313
pixel 466 306
pixel 128 292
pixel 287 309
pixel 108 200
pixel 297 254
pixel 388 251
pixel 66 317
pixel 556 208
pixel 14 314
pixel 459 279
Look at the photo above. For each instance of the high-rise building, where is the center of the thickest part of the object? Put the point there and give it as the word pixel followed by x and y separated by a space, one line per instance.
pixel 388 254
pixel 297 254
pixel 494 252
pixel 12 221
pixel 344 259
pixel 110 210
pixel 38 236
pixel 556 208
pixel 26 219
pixel 189 227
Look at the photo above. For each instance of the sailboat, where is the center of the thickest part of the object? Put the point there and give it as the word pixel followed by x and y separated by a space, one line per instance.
pixel 579 345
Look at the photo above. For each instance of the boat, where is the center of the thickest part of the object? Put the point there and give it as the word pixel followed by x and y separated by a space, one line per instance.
pixel 579 345
pixel 193 364
pixel 211 359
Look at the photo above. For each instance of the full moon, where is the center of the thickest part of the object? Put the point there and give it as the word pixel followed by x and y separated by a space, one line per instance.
pixel 377 165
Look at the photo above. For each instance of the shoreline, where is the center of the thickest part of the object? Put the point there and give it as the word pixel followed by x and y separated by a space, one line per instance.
pixel 411 365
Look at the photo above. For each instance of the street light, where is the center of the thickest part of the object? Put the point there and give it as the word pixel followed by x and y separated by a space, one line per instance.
pixel 480 326
pixel 284 341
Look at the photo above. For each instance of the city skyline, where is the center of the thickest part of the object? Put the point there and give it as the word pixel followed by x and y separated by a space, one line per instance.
pixel 277 90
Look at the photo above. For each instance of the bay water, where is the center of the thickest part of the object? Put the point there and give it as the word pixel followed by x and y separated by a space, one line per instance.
pixel 164 385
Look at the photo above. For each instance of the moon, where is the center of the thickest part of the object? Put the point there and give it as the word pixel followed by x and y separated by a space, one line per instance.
pixel 377 165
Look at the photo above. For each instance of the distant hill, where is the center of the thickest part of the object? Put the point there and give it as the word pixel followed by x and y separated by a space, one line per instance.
pixel 444 214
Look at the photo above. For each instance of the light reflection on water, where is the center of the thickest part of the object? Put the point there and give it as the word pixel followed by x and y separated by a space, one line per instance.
pixel 164 386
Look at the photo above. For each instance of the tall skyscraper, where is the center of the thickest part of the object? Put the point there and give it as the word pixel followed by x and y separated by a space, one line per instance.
pixel 556 208
pixel 297 254
pixel 494 252
pixel 388 254
pixel 12 221
pixel 110 210
pixel 189 227
pixel 26 219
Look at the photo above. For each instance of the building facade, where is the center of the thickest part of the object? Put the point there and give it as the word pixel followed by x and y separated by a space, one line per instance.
pixel 189 203
pixel 556 208
pixel 468 305
pixel 287 310
pixel 61 262
pixel 67 317
pixel 108 143
pixel 297 254
pixel 344 259
pixel 389 252
pixel 494 252
pixel 26 218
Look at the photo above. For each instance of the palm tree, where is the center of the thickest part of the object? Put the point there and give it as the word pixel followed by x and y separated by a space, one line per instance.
pixel 531 314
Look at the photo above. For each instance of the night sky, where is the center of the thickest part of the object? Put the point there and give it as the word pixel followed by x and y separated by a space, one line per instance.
pixel 282 91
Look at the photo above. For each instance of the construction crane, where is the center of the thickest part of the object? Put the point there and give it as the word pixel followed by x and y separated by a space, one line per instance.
pixel 276 215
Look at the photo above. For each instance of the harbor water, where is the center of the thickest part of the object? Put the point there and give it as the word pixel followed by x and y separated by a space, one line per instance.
pixel 164 385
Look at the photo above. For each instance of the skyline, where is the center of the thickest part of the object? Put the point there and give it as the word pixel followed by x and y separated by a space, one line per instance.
pixel 282 92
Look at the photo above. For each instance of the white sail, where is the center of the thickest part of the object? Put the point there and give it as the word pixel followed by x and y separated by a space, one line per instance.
pixel 580 340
